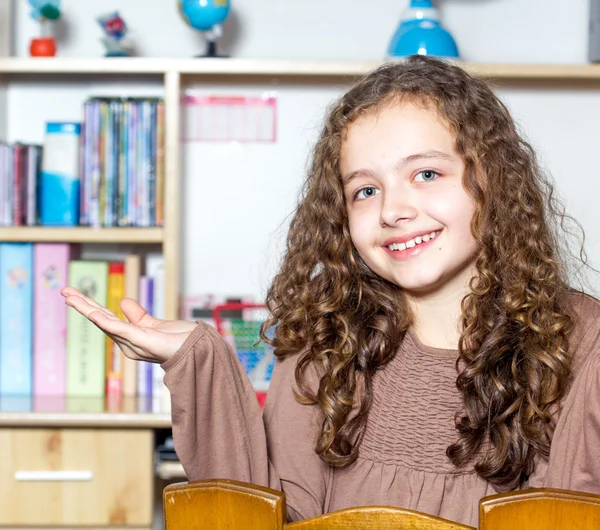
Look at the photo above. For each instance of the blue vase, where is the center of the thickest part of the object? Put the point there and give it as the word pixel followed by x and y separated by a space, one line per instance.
pixel 421 33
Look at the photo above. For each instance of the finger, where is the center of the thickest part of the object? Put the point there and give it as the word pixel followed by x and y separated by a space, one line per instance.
pixel 133 311
pixel 85 308
pixel 115 328
pixel 89 300
pixel 68 290
pixel 133 341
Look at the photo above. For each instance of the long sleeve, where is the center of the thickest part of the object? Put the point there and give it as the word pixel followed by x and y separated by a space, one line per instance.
pixel 574 461
pixel 219 431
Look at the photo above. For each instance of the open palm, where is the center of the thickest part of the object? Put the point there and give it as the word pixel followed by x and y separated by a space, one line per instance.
pixel 142 337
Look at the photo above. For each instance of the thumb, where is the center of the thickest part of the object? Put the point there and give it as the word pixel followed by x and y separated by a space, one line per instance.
pixel 133 311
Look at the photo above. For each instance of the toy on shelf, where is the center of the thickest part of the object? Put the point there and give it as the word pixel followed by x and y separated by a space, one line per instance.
pixel 114 40
pixel 206 16
pixel 421 33
pixel 46 12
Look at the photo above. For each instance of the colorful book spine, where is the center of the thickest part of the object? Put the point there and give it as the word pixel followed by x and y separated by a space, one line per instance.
pixel 132 289
pixel 18 177
pixel 144 368
pixel 155 268
pixel 160 162
pixel 33 160
pixel 50 270
pixel 116 292
pixel 16 322
pixel 86 343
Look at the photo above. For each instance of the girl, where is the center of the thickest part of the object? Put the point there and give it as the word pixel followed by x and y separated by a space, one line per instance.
pixel 430 351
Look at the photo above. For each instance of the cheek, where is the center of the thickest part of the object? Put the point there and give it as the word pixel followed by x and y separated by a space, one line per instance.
pixel 454 209
pixel 361 233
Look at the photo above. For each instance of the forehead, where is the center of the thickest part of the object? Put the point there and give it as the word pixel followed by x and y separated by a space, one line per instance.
pixel 395 130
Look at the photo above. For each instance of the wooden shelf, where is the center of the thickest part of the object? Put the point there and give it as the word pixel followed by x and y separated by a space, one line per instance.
pixel 58 411
pixel 85 419
pixel 80 234
pixel 272 67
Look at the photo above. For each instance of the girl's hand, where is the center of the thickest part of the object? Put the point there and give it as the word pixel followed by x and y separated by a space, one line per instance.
pixel 143 337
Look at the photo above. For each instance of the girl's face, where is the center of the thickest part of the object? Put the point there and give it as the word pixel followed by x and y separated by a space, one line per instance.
pixel 408 212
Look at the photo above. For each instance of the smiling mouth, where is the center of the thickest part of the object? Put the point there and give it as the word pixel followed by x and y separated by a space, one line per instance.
pixel 411 243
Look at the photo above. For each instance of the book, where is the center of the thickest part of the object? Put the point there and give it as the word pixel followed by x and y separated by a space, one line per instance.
pixel 144 368
pixel 16 322
pixel 50 274
pixel 86 344
pixel 116 292
pixel 155 269
pixel 132 280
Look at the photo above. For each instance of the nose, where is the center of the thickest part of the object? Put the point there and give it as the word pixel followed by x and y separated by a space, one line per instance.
pixel 396 206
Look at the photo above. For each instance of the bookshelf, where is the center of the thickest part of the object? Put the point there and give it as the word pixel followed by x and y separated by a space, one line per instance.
pixel 40 234
pixel 175 74
pixel 306 69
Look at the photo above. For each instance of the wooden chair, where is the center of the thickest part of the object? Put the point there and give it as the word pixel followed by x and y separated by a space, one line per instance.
pixel 231 505
pixel 540 509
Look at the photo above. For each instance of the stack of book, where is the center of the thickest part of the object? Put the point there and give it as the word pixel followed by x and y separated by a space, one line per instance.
pixel 122 172
pixel 19 176
pixel 49 349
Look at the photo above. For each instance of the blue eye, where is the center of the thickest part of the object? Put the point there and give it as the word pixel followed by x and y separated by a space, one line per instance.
pixel 427 175
pixel 365 193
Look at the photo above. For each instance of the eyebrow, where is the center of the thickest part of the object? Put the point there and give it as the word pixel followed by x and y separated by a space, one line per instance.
pixel 426 155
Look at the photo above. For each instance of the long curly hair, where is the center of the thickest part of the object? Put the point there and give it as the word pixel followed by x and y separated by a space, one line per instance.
pixel 513 362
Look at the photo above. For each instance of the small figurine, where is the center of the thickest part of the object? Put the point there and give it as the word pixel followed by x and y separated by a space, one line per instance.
pixel 115 31
pixel 45 12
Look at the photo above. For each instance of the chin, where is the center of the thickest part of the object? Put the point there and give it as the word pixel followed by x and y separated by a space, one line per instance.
pixel 422 287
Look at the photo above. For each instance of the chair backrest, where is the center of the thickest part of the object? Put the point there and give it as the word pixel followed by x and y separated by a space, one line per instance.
pixel 222 504
pixel 376 518
pixel 540 509
pixel 231 505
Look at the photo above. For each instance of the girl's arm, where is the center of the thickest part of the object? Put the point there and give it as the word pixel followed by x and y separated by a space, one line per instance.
pixel 219 432
pixel 574 461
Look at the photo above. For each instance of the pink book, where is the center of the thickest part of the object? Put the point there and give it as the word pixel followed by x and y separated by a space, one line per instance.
pixel 50 270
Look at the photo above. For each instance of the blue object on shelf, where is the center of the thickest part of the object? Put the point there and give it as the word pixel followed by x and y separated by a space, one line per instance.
pixel 421 33
pixel 59 175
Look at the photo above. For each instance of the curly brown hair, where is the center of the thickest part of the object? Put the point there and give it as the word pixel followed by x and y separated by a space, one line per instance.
pixel 349 322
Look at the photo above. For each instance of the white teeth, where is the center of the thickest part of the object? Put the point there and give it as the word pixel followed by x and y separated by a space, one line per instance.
pixel 413 242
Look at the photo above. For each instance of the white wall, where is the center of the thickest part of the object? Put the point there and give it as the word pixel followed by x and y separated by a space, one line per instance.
pixel 486 30
pixel 237 198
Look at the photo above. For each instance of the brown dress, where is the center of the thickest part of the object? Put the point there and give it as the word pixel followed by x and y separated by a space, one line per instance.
pixel 219 431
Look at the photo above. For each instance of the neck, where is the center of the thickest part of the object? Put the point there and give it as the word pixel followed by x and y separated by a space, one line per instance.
pixel 437 316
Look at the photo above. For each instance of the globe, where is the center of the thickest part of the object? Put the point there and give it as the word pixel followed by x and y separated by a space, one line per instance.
pixel 206 16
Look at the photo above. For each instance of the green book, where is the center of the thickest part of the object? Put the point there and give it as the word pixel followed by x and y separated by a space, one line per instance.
pixel 86 343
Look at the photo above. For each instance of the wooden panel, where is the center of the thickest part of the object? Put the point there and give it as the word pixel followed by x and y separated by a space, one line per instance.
pixel 172 194
pixel 80 234
pixel 273 67
pixel 6 25
pixel 73 411
pixel 222 504
pixel 81 528
pixel 540 509
pixel 111 477
pixel 376 518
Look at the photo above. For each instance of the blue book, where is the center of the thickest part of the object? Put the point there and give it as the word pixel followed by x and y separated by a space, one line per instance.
pixel 16 319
